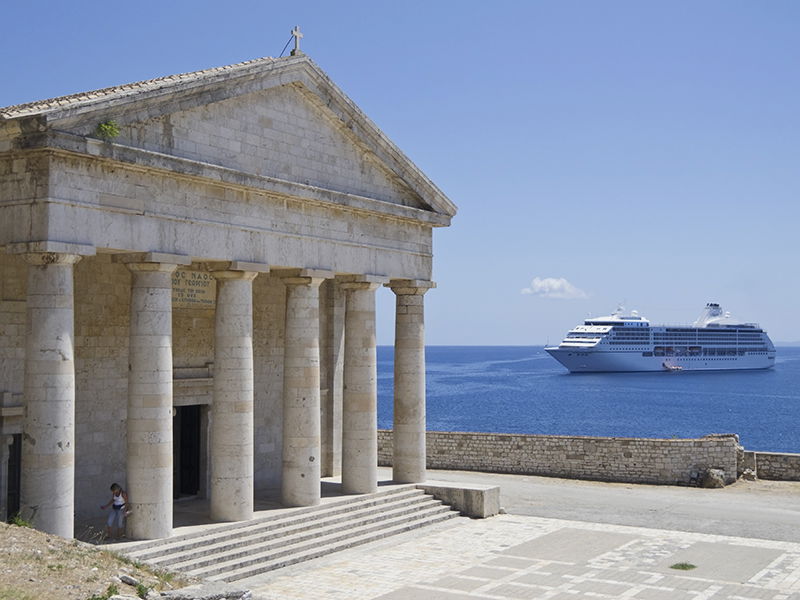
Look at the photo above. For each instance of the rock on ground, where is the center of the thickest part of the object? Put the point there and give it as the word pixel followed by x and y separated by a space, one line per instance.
pixel 713 478
pixel 209 591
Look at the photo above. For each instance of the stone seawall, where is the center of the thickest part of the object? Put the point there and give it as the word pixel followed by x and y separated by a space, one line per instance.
pixel 630 460
pixel 779 467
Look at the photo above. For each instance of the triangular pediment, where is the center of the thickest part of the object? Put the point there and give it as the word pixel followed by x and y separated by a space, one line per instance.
pixel 276 133
pixel 275 118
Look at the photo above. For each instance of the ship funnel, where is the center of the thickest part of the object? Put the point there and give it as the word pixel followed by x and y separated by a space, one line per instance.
pixel 711 312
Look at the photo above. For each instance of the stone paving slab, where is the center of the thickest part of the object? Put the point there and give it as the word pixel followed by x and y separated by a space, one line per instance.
pixel 726 562
pixel 572 545
pixel 518 557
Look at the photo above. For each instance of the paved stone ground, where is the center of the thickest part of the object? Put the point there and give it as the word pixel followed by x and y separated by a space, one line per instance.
pixel 567 540
pixel 521 557
pixel 755 509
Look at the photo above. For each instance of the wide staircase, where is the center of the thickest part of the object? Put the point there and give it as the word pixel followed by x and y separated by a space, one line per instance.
pixel 234 551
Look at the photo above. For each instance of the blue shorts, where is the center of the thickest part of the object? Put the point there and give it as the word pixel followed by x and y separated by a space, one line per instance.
pixel 118 515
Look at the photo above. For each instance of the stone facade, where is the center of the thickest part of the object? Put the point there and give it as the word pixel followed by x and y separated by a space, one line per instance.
pixel 174 301
pixel 632 460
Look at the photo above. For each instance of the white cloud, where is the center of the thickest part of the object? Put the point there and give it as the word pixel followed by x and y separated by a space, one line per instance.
pixel 554 287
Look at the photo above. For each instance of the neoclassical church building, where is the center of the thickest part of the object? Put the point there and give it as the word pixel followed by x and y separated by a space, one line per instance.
pixel 187 300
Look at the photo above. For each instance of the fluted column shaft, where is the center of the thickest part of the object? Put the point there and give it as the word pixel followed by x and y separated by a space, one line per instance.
pixel 48 440
pixel 409 454
pixel 231 486
pixel 300 484
pixel 149 466
pixel 360 396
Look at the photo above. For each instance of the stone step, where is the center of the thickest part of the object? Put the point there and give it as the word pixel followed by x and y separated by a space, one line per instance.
pixel 318 550
pixel 277 536
pixel 232 551
pixel 153 552
pixel 219 528
pixel 321 545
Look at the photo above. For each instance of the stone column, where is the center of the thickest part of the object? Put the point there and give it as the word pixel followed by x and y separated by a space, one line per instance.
pixel 231 482
pixel 300 485
pixel 360 397
pixel 408 461
pixel 5 443
pixel 48 434
pixel 149 420
pixel 331 373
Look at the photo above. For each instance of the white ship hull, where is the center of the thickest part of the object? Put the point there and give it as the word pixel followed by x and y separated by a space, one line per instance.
pixel 617 343
pixel 622 361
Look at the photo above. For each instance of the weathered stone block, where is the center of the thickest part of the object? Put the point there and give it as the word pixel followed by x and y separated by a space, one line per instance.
pixel 472 500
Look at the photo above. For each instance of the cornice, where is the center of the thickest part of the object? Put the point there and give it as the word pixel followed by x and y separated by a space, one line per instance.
pixel 67 144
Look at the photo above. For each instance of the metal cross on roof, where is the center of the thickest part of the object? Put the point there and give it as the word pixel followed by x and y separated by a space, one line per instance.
pixel 297 35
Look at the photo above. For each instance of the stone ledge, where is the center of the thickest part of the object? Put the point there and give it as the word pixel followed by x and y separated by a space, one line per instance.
pixel 209 591
pixel 472 500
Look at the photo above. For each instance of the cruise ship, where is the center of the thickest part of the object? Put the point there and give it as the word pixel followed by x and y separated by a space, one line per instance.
pixel 619 343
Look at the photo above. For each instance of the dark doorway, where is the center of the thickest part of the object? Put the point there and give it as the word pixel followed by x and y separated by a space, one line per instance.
pixel 187 441
pixel 14 476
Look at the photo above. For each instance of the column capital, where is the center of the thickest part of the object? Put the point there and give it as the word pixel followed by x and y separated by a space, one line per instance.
pixel 153 258
pixel 234 275
pixel 410 287
pixel 236 266
pixel 49 247
pixel 361 282
pixel 235 270
pixel 42 259
pixel 302 276
pixel 149 262
pixel 151 267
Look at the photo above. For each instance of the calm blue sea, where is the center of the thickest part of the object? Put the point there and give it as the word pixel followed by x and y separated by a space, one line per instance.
pixel 513 389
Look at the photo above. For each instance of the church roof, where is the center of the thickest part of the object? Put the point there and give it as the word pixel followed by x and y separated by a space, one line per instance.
pixel 221 82
pixel 52 105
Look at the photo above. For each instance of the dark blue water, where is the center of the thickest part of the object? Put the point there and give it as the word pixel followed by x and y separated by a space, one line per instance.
pixel 513 389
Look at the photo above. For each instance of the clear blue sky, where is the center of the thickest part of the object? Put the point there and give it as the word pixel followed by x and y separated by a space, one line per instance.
pixel 645 152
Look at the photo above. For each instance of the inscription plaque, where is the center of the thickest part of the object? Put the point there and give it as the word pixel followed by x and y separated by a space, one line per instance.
pixel 193 289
